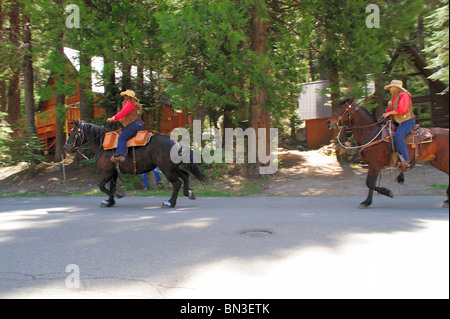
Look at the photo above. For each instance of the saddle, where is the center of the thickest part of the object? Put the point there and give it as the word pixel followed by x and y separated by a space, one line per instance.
pixel 141 138
pixel 418 136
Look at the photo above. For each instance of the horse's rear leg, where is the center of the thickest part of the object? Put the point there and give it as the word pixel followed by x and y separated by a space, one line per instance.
pixel 187 191
pixel 371 181
pixel 108 177
pixel 172 177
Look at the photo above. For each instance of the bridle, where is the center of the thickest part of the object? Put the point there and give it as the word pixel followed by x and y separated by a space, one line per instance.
pixel 79 135
pixel 350 112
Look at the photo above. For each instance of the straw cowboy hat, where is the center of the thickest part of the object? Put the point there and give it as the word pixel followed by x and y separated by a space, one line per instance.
pixel 129 93
pixel 396 83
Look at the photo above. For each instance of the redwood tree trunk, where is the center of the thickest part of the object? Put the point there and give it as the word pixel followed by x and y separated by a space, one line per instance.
pixel 84 86
pixel 259 116
pixel 14 81
pixel 3 86
pixel 60 114
pixel 28 77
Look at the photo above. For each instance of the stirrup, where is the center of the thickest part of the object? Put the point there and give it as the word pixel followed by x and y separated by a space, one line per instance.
pixel 402 164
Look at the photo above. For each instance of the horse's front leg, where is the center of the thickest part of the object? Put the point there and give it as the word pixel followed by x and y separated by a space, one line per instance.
pixel 371 181
pixel 106 177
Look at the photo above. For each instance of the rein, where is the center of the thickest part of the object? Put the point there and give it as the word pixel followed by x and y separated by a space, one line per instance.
pixel 77 148
pixel 362 146
pixel 350 112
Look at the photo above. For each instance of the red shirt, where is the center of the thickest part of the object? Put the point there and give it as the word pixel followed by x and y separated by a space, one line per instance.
pixel 126 109
pixel 403 103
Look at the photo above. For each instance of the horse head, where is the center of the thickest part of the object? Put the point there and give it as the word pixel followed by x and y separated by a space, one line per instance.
pixel 343 114
pixel 76 138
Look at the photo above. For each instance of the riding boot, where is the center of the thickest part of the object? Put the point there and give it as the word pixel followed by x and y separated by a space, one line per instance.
pixel 403 165
pixel 116 158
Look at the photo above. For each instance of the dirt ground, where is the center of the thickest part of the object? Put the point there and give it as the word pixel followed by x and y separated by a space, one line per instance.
pixel 312 173
pixel 301 173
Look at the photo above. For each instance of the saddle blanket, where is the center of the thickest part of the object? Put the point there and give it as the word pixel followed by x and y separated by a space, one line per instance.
pixel 141 138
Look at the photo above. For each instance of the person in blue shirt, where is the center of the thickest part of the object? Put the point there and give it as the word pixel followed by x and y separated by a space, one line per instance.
pixel 157 179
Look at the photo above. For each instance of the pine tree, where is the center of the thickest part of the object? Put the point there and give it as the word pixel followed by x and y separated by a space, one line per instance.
pixel 438 48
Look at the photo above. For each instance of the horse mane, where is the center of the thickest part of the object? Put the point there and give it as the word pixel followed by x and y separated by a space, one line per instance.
pixel 94 131
pixel 368 115
pixel 342 102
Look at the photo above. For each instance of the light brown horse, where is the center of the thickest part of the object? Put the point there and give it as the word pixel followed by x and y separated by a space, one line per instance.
pixel 367 131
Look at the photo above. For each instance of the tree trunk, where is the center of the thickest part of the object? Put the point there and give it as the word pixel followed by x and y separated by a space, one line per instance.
pixel 259 116
pixel 110 102
pixel 28 76
pixel 126 75
pixel 60 102
pixel 380 94
pixel 84 86
pixel 14 81
pixel 3 86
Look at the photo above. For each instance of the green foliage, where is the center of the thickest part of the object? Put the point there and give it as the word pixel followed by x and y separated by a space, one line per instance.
pixel 198 54
pixel 23 147
pixel 5 132
pixel 208 44
pixel 437 47
pixel 346 47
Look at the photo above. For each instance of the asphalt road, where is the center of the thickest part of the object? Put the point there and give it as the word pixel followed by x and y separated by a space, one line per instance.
pixel 246 247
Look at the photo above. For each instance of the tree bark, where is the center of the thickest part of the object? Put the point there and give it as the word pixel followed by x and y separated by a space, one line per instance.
pixel 60 102
pixel 3 84
pixel 259 116
pixel 84 86
pixel 380 94
pixel 28 76
pixel 14 81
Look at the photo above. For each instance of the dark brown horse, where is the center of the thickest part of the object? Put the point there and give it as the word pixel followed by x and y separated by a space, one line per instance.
pixel 367 131
pixel 154 154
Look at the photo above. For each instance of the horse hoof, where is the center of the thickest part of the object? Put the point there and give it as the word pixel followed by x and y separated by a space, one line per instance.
pixel 363 206
pixel 166 204
pixel 119 193
pixel 445 204
pixel 191 194
pixel 106 203
pixel 390 194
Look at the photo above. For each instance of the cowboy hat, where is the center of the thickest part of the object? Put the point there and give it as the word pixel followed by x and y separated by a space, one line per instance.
pixel 129 93
pixel 396 83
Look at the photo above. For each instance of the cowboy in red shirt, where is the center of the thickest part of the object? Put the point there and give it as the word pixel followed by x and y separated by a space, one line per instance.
pixel 400 106
pixel 130 116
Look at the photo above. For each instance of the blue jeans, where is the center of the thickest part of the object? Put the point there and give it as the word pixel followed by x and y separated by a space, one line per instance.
pixel 128 132
pixel 402 131
pixel 157 179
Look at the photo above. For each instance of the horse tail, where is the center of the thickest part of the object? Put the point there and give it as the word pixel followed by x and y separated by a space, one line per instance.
pixel 194 169
pixel 186 155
